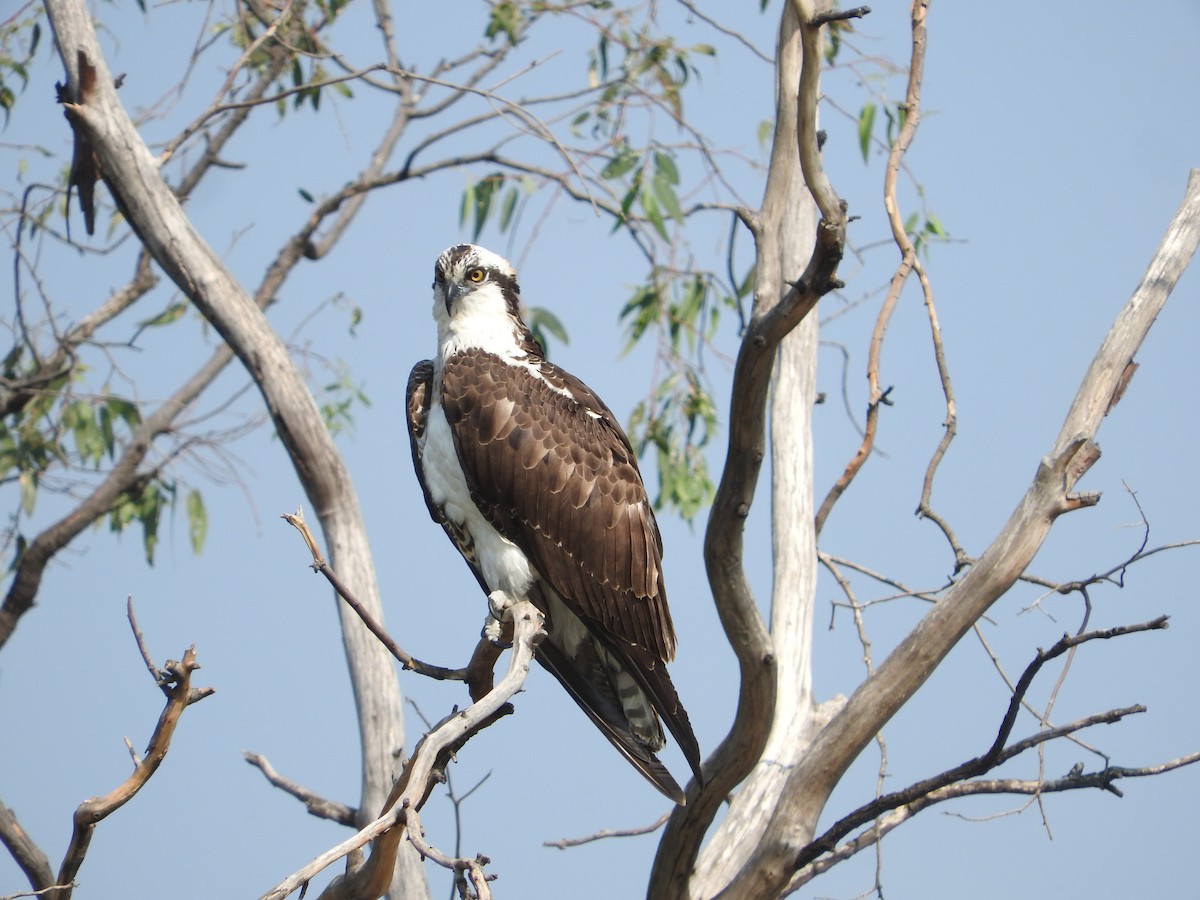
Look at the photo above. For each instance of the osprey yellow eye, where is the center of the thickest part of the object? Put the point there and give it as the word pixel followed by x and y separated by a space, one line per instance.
pixel 476 276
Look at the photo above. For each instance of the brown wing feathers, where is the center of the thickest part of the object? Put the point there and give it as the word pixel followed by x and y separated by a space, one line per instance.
pixel 605 712
pixel 583 514
pixel 564 484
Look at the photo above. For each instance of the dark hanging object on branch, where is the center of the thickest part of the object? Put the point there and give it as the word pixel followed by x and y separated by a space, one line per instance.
pixel 85 168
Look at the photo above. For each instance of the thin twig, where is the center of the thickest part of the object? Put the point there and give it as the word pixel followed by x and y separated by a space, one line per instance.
pixel 141 643
pixel 316 805
pixel 605 833
pixel 994 756
pixel 319 564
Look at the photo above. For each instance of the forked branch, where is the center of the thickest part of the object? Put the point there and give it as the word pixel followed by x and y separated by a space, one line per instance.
pixel 1051 494
pixel 174 679
pixel 420 773
pixel 998 753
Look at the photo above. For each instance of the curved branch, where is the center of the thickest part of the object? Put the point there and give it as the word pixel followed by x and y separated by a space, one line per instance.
pixel 778 309
pixel 469 874
pixel 175 681
pixel 908 263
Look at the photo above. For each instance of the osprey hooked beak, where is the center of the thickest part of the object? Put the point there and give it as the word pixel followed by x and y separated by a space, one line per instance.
pixel 454 291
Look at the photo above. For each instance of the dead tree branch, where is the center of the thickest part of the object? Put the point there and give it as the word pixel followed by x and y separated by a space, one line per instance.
pixel 471 882
pixel 319 564
pixel 175 681
pixel 605 833
pixel 1049 496
pixel 315 804
pixel 995 755
pixel 1076 779
pixel 418 777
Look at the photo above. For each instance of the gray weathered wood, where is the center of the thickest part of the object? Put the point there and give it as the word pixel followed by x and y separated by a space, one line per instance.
pixel 1051 494
pixel 157 217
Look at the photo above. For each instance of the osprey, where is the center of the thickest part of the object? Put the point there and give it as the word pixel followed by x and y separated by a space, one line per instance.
pixel 536 484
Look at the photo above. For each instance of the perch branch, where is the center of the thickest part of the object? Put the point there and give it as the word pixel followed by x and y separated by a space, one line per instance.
pixel 371 879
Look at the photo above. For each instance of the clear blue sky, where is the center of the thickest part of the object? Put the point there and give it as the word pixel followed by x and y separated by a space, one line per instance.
pixel 1055 147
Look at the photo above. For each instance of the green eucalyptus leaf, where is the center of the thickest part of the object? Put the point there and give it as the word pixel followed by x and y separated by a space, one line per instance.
pixel 507 208
pixel 866 127
pixel 197 520
pixel 173 313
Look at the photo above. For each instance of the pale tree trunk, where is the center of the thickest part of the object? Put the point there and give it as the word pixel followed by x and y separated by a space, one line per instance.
pixel 795 265
pixel 156 216
pixel 789 218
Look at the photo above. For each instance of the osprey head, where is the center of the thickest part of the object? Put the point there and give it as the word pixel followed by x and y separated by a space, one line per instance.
pixel 477 303
pixel 477 276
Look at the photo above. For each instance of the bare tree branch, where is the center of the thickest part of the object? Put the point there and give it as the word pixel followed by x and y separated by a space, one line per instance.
pixel 470 879
pixel 319 564
pixel 605 833
pixel 27 854
pixel 1074 780
pixel 315 804
pixel 1050 495
pixel 995 755
pixel 371 879
pixel 175 681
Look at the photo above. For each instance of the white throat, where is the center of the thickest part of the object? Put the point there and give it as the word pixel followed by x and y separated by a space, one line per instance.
pixel 481 321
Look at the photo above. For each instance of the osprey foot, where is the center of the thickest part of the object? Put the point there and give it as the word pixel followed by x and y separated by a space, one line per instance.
pixel 495 628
